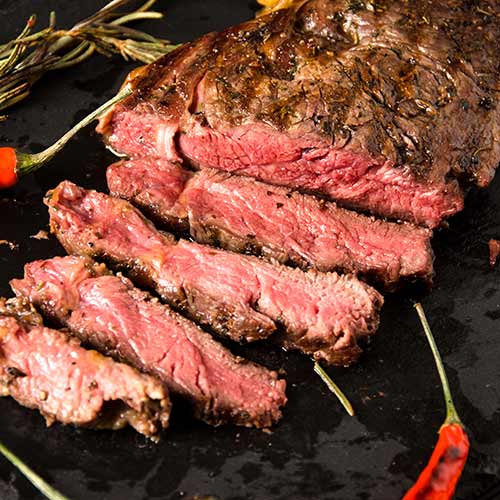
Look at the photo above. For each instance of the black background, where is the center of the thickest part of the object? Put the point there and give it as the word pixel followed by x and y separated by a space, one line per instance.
pixel 317 451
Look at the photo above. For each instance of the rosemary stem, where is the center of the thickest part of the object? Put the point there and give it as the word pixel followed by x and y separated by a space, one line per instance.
pixel 68 61
pixel 451 412
pixel 146 6
pixel 334 388
pixel 101 14
pixel 31 475
pixel 24 60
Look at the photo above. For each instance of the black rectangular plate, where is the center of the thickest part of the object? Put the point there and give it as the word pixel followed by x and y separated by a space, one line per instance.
pixel 317 451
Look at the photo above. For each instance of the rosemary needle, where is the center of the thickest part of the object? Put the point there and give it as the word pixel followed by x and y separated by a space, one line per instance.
pixel 334 388
pixel 32 476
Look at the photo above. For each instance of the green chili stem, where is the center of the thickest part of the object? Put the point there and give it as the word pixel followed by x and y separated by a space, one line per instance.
pixel 28 163
pixel 451 412
pixel 31 475
pixel 334 388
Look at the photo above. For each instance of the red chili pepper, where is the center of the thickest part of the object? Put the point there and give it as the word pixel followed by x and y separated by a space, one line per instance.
pixel 8 163
pixel 15 164
pixel 440 477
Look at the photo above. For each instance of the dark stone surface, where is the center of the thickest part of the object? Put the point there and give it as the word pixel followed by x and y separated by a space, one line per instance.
pixel 317 451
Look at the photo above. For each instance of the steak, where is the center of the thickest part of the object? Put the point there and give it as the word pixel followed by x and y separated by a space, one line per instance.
pixel 109 313
pixel 243 215
pixel 47 370
pixel 390 107
pixel 237 295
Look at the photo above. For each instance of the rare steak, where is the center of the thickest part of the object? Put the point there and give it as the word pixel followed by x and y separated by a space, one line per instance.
pixel 388 107
pixel 48 370
pixel 244 215
pixel 118 319
pixel 242 296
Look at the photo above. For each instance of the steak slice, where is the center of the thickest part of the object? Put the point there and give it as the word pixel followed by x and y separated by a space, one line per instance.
pixel 244 215
pixel 324 314
pixel 383 108
pixel 109 313
pixel 47 370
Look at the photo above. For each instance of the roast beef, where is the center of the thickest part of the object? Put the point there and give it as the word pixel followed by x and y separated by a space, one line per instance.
pixel 48 370
pixel 387 107
pixel 239 295
pixel 244 215
pixel 109 313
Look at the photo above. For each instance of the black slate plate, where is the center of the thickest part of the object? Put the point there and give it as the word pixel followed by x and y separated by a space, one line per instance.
pixel 317 451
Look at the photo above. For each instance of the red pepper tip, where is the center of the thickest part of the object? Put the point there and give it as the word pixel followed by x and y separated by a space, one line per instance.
pixel 8 164
pixel 31 21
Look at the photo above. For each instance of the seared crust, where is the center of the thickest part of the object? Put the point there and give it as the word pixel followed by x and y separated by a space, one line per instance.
pixel 413 81
pixel 407 87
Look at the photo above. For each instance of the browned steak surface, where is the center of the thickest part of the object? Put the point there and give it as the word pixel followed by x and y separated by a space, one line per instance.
pixel 109 313
pixel 47 370
pixel 244 215
pixel 242 296
pixel 384 106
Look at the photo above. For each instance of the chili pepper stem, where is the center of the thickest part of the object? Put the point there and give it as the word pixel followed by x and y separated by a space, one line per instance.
pixel 28 163
pixel 439 478
pixel 451 412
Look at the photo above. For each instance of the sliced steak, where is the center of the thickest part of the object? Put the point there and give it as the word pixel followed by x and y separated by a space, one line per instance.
pixel 385 107
pixel 109 313
pixel 47 370
pixel 324 314
pixel 243 215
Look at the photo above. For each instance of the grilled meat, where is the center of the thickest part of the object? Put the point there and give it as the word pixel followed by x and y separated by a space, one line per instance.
pixel 388 107
pixel 244 215
pixel 48 370
pixel 324 314
pixel 126 323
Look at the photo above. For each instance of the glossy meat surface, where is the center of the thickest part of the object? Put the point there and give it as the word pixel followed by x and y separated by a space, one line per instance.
pixel 387 107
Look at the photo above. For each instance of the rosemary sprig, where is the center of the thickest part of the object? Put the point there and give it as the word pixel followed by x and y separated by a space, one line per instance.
pixel 334 388
pixel 31 475
pixel 24 60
